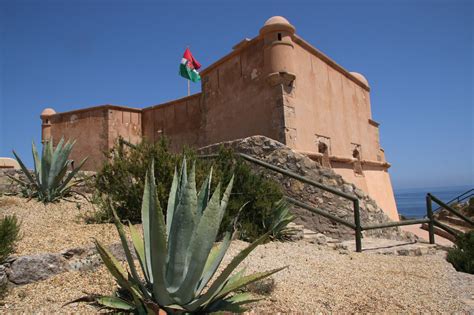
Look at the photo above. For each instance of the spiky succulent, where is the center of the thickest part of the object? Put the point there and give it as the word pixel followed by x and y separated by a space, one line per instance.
pixel 178 258
pixel 50 181
pixel 279 220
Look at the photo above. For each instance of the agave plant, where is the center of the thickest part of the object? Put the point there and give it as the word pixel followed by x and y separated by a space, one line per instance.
pixel 278 222
pixel 177 256
pixel 50 181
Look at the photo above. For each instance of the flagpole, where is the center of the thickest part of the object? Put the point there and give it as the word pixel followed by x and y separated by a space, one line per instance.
pixel 189 87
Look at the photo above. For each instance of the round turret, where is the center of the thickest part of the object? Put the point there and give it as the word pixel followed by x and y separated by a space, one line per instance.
pixel 46 123
pixel 277 34
pixel 360 77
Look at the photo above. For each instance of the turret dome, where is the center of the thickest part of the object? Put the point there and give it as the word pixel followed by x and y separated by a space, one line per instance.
pixel 47 112
pixel 361 78
pixel 277 23
pixel 276 20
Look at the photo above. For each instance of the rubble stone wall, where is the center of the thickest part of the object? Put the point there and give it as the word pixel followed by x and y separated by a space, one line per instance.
pixel 278 154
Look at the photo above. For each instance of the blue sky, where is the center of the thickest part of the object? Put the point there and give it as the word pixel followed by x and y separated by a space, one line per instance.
pixel 417 56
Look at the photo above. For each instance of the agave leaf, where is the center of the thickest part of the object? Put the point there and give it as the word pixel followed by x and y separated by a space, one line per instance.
pixel 118 272
pixel 37 162
pixel 217 254
pixel 232 304
pixel 236 276
pixel 183 176
pixel 221 279
pixel 204 194
pixel 241 298
pixel 201 244
pixel 243 281
pixel 66 151
pixel 128 254
pixel 154 230
pixel 46 166
pixel 64 162
pixel 115 302
pixel 213 262
pixel 226 196
pixel 62 187
pixel 57 180
pixel 181 232
pixel 55 165
pixel 172 201
pixel 140 251
pixel 25 170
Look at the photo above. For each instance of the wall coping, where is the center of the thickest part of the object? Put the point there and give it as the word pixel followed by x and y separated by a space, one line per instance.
pixel 173 102
pixel 237 49
pixel 245 43
pixel 100 107
pixel 310 48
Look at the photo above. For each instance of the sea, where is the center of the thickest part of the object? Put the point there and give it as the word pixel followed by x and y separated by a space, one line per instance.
pixel 411 202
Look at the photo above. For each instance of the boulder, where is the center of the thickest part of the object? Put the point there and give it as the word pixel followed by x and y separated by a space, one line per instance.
pixel 28 269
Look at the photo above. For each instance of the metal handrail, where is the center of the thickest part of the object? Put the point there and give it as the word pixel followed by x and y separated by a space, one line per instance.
pixel 459 198
pixel 452 210
pixel 429 199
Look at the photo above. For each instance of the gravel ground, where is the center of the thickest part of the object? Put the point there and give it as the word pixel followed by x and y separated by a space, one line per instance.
pixel 54 227
pixel 318 279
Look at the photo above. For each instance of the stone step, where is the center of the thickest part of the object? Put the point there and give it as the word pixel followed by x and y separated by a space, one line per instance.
pixel 390 247
pixel 455 221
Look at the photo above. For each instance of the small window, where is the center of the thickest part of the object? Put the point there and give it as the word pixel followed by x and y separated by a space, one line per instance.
pixel 324 150
pixel 279 36
pixel 47 121
pixel 357 163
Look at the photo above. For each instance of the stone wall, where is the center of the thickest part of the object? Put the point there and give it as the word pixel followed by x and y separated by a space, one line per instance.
pixel 282 156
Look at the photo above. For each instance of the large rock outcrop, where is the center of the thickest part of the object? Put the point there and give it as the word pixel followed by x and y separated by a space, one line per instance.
pixel 282 156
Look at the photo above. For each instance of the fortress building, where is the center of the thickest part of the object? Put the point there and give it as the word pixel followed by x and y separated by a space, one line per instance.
pixel 276 85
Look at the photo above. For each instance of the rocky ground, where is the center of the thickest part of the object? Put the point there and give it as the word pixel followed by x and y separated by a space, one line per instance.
pixel 318 278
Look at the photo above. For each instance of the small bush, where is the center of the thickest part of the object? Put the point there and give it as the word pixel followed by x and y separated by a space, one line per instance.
pixel 122 181
pixel 9 235
pixel 462 255
pixel 122 178
pixel 258 194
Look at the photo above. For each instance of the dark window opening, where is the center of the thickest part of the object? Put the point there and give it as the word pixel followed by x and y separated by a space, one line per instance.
pixel 324 150
pixel 356 154
pixel 279 36
pixel 357 163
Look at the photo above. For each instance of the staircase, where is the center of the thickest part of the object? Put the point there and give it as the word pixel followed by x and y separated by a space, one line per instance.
pixel 456 214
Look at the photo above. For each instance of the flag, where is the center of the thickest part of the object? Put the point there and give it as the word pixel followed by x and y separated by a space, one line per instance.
pixel 189 66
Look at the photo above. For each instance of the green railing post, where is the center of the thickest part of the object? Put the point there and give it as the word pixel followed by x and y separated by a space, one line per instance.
pixel 358 228
pixel 429 212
